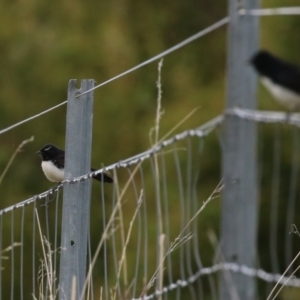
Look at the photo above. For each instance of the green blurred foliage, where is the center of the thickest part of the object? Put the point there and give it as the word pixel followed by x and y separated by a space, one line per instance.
pixel 44 44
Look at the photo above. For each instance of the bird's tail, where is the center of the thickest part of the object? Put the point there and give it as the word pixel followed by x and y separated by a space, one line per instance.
pixel 102 177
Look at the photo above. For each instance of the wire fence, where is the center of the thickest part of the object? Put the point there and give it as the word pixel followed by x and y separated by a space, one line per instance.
pixel 155 212
pixel 163 187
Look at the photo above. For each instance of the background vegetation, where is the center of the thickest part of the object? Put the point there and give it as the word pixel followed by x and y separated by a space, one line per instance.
pixel 44 44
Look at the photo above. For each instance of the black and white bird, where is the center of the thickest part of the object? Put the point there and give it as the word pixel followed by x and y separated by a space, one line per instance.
pixel 280 77
pixel 53 164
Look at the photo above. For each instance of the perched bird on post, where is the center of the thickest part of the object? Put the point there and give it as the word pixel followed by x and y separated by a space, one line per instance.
pixel 53 165
pixel 280 77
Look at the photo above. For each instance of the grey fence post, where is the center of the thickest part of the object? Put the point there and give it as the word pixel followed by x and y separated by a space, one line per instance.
pixel 239 198
pixel 76 199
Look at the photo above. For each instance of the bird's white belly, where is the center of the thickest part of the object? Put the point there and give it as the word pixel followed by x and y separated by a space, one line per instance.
pixel 53 173
pixel 286 97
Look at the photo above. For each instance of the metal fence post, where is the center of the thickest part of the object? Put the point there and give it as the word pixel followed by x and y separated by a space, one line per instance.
pixel 239 199
pixel 76 199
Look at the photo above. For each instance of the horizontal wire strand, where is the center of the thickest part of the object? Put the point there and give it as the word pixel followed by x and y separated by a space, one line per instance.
pixel 265 116
pixel 32 118
pixel 167 52
pixel 157 57
pixel 271 11
pixel 220 23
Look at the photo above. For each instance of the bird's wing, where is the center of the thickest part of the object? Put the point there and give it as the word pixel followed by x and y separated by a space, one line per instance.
pixel 289 77
pixel 59 160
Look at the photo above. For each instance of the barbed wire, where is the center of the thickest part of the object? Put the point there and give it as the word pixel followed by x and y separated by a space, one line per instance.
pixel 201 131
pixel 242 269
pixel 155 58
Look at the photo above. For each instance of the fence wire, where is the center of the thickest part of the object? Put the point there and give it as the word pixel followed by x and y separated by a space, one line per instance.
pixel 154 233
pixel 253 12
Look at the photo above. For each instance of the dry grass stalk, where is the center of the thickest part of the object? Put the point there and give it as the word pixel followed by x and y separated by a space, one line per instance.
pixel 19 149
pixel 123 256
pixel 181 239
pixel 46 268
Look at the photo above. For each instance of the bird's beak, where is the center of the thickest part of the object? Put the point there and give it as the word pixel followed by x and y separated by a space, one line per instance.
pixel 38 152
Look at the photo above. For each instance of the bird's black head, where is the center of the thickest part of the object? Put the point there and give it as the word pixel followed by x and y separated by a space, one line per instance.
pixel 264 62
pixel 49 151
